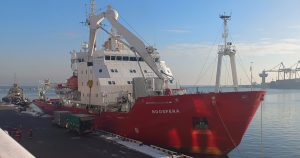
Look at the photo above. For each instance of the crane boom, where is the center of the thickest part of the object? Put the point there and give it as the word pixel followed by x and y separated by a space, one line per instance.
pixel 94 21
pixel 136 45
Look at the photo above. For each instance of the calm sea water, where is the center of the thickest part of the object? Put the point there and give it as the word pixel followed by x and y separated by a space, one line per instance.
pixel 280 124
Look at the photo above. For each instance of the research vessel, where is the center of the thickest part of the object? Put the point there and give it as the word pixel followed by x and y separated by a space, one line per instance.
pixel 133 93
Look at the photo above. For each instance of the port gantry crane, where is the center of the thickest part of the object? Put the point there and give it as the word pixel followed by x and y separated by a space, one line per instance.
pixel 282 72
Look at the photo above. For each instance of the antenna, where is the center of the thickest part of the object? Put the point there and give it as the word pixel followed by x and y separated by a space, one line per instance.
pixel 225 19
pixel 92 7
pixel 86 10
pixel 226 49
pixel 88 15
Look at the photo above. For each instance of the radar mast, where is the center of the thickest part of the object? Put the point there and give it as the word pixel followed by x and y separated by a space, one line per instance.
pixel 226 49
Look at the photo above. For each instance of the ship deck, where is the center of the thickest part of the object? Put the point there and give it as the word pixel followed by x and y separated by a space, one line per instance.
pixel 49 141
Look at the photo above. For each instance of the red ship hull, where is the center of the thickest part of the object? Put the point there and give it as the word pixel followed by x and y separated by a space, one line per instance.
pixel 50 106
pixel 211 123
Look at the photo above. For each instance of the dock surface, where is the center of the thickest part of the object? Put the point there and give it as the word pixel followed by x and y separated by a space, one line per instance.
pixel 49 141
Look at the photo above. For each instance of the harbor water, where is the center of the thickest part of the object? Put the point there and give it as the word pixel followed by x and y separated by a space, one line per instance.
pixel 280 128
pixel 273 133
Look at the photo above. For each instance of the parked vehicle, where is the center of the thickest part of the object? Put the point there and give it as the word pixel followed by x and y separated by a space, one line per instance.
pixel 80 123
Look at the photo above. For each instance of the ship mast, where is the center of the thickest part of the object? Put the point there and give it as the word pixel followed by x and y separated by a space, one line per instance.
pixel 92 12
pixel 226 49
pixel 92 22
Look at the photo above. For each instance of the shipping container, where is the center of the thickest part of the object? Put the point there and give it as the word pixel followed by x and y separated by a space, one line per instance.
pixel 59 118
pixel 80 123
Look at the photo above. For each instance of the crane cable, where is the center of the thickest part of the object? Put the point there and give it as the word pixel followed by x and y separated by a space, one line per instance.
pixel 206 60
pixel 141 37
pixel 145 80
pixel 240 62
pixel 243 68
pixel 214 67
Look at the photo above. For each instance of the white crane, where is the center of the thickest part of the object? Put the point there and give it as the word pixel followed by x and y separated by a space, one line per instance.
pixel 136 45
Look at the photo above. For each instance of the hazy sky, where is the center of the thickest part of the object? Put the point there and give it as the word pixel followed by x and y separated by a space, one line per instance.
pixel 36 36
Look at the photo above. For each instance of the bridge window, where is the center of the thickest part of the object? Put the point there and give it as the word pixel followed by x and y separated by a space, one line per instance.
pixel 107 57
pixel 133 59
pixel 125 58
pixel 112 57
pixel 114 70
pixel 141 59
pixel 100 70
pixel 111 82
pixel 119 57
pixel 132 71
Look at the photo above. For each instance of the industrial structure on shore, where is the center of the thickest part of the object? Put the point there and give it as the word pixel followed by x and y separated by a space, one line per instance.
pixel 287 77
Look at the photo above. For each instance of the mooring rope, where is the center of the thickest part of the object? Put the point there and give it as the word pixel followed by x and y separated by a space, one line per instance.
pixel 261 131
pixel 227 131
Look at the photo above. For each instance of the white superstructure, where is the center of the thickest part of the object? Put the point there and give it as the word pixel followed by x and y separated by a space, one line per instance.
pixel 106 76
